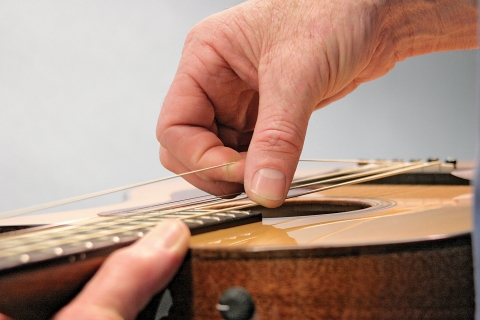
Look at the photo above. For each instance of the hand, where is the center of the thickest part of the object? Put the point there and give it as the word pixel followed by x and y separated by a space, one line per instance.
pixel 250 77
pixel 131 276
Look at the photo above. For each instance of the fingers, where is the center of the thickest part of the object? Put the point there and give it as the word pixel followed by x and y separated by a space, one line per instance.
pixel 130 277
pixel 209 112
pixel 277 141
pixel 187 129
pixel 215 103
pixel 219 188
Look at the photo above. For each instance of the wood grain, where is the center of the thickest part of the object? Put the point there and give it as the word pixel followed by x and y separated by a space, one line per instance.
pixel 291 276
pixel 431 280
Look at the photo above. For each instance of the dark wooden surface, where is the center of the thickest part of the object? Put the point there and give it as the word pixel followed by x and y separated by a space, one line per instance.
pixel 36 293
pixel 432 280
pixel 428 280
pixel 422 280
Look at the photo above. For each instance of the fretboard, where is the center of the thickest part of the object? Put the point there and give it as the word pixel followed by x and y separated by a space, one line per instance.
pixel 79 240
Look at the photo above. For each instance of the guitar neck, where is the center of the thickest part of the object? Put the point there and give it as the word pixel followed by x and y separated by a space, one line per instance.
pixel 23 248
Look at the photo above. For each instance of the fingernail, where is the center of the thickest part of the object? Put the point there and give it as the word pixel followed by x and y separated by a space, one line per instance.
pixel 269 183
pixel 170 234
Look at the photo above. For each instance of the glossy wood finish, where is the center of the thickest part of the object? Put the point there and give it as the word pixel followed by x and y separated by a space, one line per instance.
pixel 414 281
pixel 36 293
pixel 350 276
pixel 406 257
pixel 397 214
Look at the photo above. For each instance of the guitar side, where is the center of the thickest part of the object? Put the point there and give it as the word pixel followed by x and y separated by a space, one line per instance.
pixel 349 272
pixel 407 255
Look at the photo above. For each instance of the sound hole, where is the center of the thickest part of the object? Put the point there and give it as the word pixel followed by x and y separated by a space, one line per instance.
pixel 298 208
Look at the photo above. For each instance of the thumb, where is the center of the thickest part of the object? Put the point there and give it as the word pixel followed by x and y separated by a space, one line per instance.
pixel 132 275
pixel 277 140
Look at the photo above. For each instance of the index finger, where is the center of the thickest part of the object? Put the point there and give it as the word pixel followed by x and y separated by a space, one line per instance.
pixel 187 129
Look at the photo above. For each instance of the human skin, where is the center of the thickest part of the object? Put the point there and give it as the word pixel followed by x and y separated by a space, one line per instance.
pixel 248 80
pixel 131 276
pixel 250 77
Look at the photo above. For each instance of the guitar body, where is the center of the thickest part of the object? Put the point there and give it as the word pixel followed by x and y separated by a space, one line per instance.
pixel 409 258
pixel 415 281
pixel 356 252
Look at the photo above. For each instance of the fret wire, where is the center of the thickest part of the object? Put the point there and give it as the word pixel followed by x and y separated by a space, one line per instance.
pixel 41 246
pixel 34 236
pixel 70 232
pixel 77 237
pixel 403 168
pixel 26 233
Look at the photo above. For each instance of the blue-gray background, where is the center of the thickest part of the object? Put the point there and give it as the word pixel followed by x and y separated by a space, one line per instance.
pixel 82 82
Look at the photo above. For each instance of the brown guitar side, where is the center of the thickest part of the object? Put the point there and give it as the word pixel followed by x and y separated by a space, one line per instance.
pixel 314 279
pixel 431 280
pixel 410 281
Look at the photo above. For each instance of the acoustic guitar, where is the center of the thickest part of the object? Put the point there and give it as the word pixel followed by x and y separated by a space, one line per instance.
pixel 385 244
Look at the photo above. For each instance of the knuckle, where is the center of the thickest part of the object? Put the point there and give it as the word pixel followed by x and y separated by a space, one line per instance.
pixel 203 30
pixel 282 136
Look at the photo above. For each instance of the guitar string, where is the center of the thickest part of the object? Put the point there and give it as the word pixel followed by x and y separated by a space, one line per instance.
pixel 226 201
pixel 336 173
pixel 344 176
pixel 351 182
pixel 377 175
pixel 294 185
pixel 361 172
pixel 14 213
pixel 59 251
pixel 53 204
pixel 202 200
pixel 242 206
pixel 194 205
pixel 298 183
